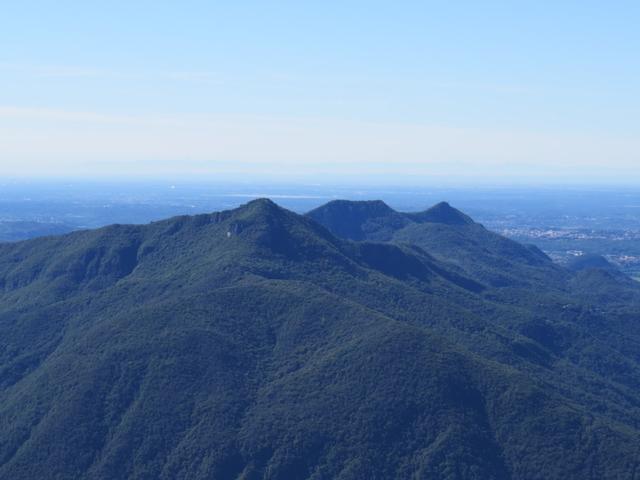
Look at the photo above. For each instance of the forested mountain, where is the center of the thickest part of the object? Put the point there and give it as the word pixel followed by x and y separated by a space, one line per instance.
pixel 447 234
pixel 258 343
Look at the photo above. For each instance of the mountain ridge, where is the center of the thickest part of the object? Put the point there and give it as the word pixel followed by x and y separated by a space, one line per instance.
pixel 448 234
pixel 254 343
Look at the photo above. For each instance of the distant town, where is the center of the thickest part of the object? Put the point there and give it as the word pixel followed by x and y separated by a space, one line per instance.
pixel 622 248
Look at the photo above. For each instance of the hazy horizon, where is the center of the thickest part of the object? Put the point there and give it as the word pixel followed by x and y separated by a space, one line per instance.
pixel 354 92
pixel 278 181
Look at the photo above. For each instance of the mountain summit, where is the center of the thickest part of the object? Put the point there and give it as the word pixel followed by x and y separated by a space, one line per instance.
pixel 372 220
pixel 442 213
pixel 255 343
pixel 447 234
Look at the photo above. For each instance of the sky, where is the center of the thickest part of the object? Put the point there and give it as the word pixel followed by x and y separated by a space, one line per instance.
pixel 333 91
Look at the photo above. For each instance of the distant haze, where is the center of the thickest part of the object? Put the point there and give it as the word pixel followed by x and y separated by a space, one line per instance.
pixel 364 92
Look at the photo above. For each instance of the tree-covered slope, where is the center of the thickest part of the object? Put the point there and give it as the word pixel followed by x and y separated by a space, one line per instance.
pixel 254 343
pixel 365 220
pixel 449 235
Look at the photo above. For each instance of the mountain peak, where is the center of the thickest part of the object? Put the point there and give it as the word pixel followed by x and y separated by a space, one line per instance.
pixel 359 220
pixel 590 261
pixel 258 208
pixel 442 213
pixel 364 207
pixel 262 204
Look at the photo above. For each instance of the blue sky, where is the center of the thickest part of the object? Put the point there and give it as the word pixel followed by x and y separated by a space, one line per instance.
pixel 517 91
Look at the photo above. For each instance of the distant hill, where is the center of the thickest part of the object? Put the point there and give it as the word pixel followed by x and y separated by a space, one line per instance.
pixel 589 261
pixel 11 231
pixel 447 234
pixel 441 213
pixel 255 343
pixel 370 220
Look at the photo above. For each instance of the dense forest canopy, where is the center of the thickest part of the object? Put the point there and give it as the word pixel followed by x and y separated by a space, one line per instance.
pixel 354 342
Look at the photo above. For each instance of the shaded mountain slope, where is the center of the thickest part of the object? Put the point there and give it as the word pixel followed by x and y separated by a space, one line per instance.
pixel 253 343
pixel 447 234
pixel 365 220
pixel 597 282
pixel 587 261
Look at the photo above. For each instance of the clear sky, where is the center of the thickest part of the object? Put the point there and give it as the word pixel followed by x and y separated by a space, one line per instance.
pixel 393 91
